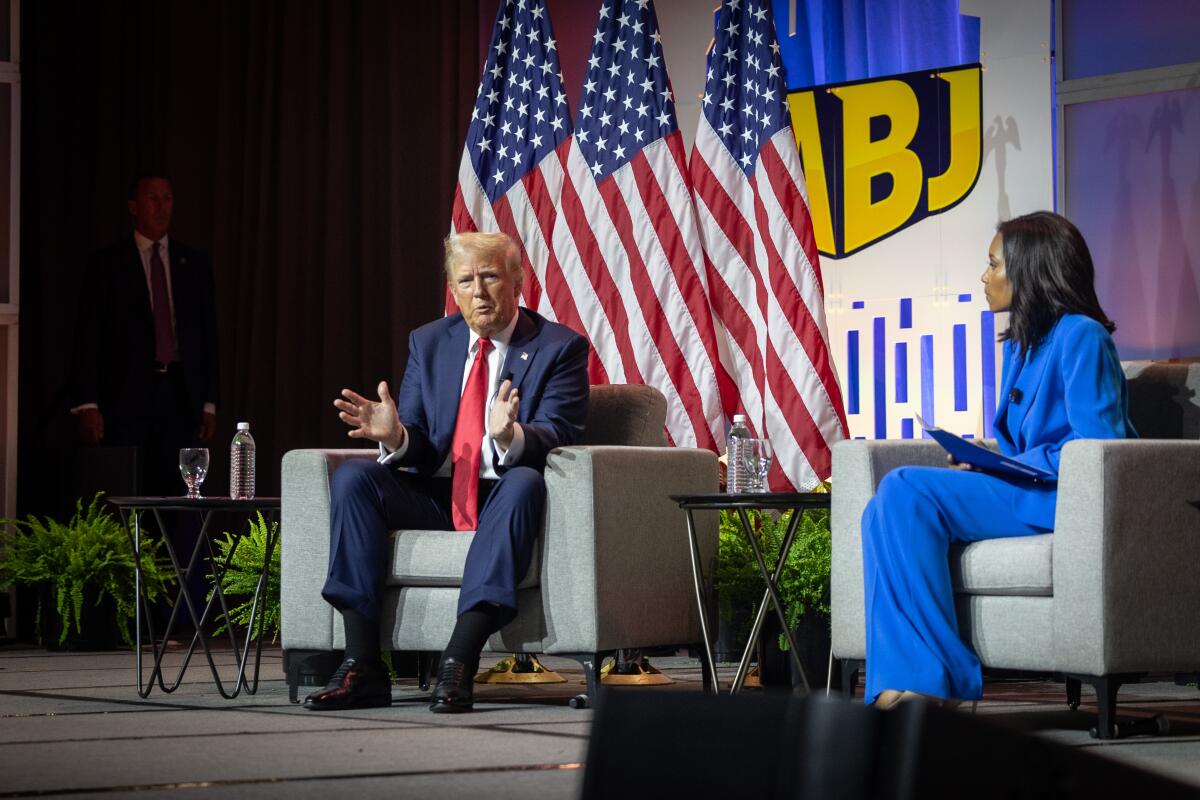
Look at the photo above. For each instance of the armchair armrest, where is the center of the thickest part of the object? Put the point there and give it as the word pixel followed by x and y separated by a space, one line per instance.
pixel 858 467
pixel 307 620
pixel 616 569
pixel 1126 546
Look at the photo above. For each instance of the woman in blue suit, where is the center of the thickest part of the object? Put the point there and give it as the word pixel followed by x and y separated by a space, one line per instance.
pixel 1061 381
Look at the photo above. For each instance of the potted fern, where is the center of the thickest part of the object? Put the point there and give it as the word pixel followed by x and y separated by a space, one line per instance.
pixel 85 572
pixel 240 579
pixel 803 589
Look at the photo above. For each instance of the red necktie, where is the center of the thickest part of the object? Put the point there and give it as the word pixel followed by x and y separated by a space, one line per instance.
pixel 468 442
pixel 164 331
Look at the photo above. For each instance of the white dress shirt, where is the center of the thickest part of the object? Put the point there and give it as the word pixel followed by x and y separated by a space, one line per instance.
pixel 495 362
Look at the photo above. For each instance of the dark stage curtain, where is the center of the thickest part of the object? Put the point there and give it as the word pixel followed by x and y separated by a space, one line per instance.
pixel 313 147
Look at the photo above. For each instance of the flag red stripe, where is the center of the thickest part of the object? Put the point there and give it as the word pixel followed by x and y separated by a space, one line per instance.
pixel 724 210
pixel 795 411
pixel 795 209
pixel 561 299
pixel 593 262
pixel 532 290
pixel 687 275
pixel 796 414
pixel 798 315
pixel 663 338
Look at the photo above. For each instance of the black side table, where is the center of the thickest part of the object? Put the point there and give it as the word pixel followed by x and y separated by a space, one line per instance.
pixel 205 506
pixel 797 503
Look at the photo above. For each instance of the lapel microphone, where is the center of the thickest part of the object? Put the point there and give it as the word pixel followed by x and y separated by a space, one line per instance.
pixel 1015 395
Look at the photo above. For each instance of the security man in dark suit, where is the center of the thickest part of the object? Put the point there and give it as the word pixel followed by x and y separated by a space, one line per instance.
pixel 146 357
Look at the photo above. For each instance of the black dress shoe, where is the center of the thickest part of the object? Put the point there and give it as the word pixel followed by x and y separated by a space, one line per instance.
pixel 454 693
pixel 356 684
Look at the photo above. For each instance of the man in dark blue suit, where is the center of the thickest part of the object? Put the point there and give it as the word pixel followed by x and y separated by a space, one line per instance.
pixel 487 393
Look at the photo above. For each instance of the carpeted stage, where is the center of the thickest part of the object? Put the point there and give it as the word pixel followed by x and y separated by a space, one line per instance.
pixel 72 725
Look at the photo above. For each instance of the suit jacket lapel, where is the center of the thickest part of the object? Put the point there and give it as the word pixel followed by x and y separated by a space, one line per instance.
pixel 139 287
pixel 449 377
pixel 521 350
pixel 1027 381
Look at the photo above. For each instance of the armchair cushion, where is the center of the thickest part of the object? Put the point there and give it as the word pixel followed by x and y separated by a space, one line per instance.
pixel 1019 566
pixel 436 558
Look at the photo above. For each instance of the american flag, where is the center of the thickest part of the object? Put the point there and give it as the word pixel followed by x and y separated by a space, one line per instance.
pixel 764 276
pixel 510 176
pixel 627 221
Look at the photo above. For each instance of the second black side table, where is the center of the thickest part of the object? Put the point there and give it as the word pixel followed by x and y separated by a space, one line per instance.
pixel 797 503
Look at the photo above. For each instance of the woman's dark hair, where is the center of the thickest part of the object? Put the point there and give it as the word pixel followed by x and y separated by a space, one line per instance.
pixel 1051 274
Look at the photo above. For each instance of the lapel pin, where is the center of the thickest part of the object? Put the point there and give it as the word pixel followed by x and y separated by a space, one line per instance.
pixel 524 356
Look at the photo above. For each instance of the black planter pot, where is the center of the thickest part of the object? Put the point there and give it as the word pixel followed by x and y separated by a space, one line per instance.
pixel 98 624
pixel 731 636
pixel 812 635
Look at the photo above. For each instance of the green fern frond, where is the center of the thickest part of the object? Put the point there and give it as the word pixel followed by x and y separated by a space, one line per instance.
pixel 246 556
pixel 85 560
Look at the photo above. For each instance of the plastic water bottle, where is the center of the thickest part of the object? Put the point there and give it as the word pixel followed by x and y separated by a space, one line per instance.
pixel 736 479
pixel 241 464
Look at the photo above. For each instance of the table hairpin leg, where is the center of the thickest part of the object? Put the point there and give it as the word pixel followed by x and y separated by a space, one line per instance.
pixel 701 604
pixel 772 595
pixel 257 613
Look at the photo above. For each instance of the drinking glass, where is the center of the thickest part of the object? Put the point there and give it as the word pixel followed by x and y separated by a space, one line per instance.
pixel 757 455
pixel 193 465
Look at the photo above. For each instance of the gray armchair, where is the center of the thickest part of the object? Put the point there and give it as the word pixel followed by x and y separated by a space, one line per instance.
pixel 612 569
pixel 1112 593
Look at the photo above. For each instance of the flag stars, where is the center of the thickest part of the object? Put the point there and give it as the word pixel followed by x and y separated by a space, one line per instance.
pixel 664 118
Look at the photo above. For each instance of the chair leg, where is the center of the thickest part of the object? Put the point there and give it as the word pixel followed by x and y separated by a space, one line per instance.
pixel 1074 688
pixel 851 667
pixel 591 669
pixel 308 668
pixel 427 664
pixel 1106 688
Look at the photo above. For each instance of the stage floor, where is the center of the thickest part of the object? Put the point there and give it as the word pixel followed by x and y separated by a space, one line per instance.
pixel 73 724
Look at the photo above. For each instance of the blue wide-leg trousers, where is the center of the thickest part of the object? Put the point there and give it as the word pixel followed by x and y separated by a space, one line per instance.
pixel 907 529
pixel 368 499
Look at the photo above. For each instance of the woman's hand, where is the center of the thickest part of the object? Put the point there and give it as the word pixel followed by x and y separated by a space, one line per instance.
pixel 955 464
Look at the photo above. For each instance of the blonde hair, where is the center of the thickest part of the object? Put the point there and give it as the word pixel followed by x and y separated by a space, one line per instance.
pixel 483 247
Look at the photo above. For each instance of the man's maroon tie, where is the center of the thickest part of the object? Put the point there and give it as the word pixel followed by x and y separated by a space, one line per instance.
pixel 164 331
pixel 468 441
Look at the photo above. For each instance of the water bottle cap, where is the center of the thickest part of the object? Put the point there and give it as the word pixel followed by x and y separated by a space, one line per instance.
pixel 243 426
pixel 740 418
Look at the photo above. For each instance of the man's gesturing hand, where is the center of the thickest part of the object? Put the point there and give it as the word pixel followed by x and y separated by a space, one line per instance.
pixel 376 421
pixel 503 415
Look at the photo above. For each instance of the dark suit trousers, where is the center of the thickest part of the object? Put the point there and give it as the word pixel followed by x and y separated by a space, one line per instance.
pixel 367 500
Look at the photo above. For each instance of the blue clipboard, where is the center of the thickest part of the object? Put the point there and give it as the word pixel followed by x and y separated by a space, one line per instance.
pixel 984 459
